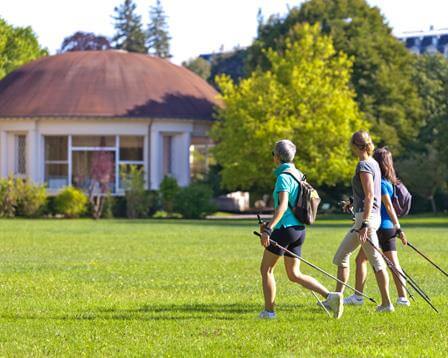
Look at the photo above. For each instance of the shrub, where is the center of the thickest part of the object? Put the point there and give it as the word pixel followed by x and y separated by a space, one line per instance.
pixel 71 202
pixel 107 211
pixel 136 197
pixel 31 198
pixel 168 190
pixel 194 201
pixel 8 197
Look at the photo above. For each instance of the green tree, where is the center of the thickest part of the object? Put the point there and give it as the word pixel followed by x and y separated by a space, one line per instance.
pixel 424 173
pixel 130 35
pixel 382 67
pixel 431 79
pixel 199 66
pixel 158 41
pixel 305 97
pixel 18 45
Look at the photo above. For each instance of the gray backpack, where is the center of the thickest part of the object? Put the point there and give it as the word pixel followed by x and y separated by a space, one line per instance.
pixel 401 199
pixel 308 200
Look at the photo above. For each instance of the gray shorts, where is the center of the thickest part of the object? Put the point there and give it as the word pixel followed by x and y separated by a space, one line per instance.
pixel 351 243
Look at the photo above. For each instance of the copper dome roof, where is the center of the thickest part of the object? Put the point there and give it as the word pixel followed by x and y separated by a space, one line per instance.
pixel 105 84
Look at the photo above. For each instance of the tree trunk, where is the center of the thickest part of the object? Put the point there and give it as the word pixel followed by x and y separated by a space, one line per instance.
pixel 433 204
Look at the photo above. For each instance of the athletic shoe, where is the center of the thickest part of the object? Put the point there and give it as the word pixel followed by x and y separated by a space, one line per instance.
pixel 336 303
pixel 265 314
pixel 325 303
pixel 385 309
pixel 354 300
pixel 403 301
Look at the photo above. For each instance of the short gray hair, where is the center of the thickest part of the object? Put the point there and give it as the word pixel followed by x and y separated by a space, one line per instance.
pixel 285 150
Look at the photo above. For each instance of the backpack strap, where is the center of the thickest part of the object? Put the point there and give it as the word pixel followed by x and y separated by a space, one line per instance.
pixel 297 179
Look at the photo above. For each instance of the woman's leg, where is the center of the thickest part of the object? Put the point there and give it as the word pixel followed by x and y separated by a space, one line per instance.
pixel 399 282
pixel 267 274
pixel 382 278
pixel 361 270
pixel 292 266
pixel 342 257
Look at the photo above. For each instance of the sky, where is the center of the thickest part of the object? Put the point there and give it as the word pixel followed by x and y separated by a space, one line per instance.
pixel 196 26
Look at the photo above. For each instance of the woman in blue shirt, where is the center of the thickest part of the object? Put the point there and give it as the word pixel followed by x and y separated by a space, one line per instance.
pixel 388 231
pixel 288 232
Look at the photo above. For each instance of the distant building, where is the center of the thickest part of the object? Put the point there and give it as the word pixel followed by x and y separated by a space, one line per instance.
pixel 421 42
pixel 58 112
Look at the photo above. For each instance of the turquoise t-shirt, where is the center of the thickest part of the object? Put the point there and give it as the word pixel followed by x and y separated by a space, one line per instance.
pixel 386 189
pixel 286 182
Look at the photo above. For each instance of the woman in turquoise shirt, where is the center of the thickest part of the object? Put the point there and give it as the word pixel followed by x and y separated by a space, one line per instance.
pixel 388 231
pixel 288 232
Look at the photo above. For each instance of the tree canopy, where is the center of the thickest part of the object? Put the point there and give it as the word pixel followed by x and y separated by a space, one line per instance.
pixel 130 35
pixel 18 45
pixel 84 41
pixel 382 67
pixel 199 66
pixel 305 96
pixel 158 38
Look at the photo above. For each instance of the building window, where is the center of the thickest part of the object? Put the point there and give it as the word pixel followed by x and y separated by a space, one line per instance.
pixel 167 155
pixel 20 165
pixel 75 160
pixel 56 162
pixel 131 153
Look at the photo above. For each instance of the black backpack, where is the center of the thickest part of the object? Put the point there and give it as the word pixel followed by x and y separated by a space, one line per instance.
pixel 308 200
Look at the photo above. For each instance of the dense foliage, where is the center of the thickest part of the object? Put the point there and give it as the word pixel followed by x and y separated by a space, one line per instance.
pixel 305 96
pixel 18 46
pixel 382 67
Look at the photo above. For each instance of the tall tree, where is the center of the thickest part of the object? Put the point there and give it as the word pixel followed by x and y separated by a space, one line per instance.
pixel 158 35
pixel 305 96
pixel 84 41
pixel 18 45
pixel 130 35
pixel 382 68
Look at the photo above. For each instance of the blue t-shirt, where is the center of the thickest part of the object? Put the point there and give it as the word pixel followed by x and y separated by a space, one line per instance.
pixel 285 182
pixel 386 189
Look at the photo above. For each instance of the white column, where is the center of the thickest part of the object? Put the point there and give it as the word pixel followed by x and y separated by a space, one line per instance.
pixel 3 154
pixel 155 161
pixel 32 157
pixel 181 158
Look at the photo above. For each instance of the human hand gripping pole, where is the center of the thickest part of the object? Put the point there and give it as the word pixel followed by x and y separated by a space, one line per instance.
pixel 273 242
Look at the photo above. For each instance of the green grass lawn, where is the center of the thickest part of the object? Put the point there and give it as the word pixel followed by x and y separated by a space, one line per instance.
pixel 192 288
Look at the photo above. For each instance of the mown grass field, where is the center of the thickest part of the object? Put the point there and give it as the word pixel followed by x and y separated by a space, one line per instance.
pixel 192 288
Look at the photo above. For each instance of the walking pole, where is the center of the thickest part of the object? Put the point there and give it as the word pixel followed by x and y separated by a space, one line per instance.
pixel 415 283
pixel 394 269
pixel 316 268
pixel 320 303
pixel 427 258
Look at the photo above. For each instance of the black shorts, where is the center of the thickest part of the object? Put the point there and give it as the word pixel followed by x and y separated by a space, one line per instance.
pixel 387 240
pixel 291 238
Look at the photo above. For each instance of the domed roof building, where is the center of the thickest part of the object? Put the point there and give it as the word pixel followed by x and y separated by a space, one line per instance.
pixel 58 113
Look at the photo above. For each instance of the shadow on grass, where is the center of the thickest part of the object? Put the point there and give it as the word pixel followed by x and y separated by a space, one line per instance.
pixel 181 312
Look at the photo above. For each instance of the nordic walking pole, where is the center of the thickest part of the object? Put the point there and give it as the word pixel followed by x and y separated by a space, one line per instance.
pixel 427 258
pixel 395 270
pixel 317 268
pixel 415 283
pixel 320 303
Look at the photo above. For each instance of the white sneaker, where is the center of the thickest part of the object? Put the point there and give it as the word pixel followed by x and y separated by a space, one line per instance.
pixel 354 300
pixel 336 303
pixel 403 301
pixel 265 314
pixel 385 309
